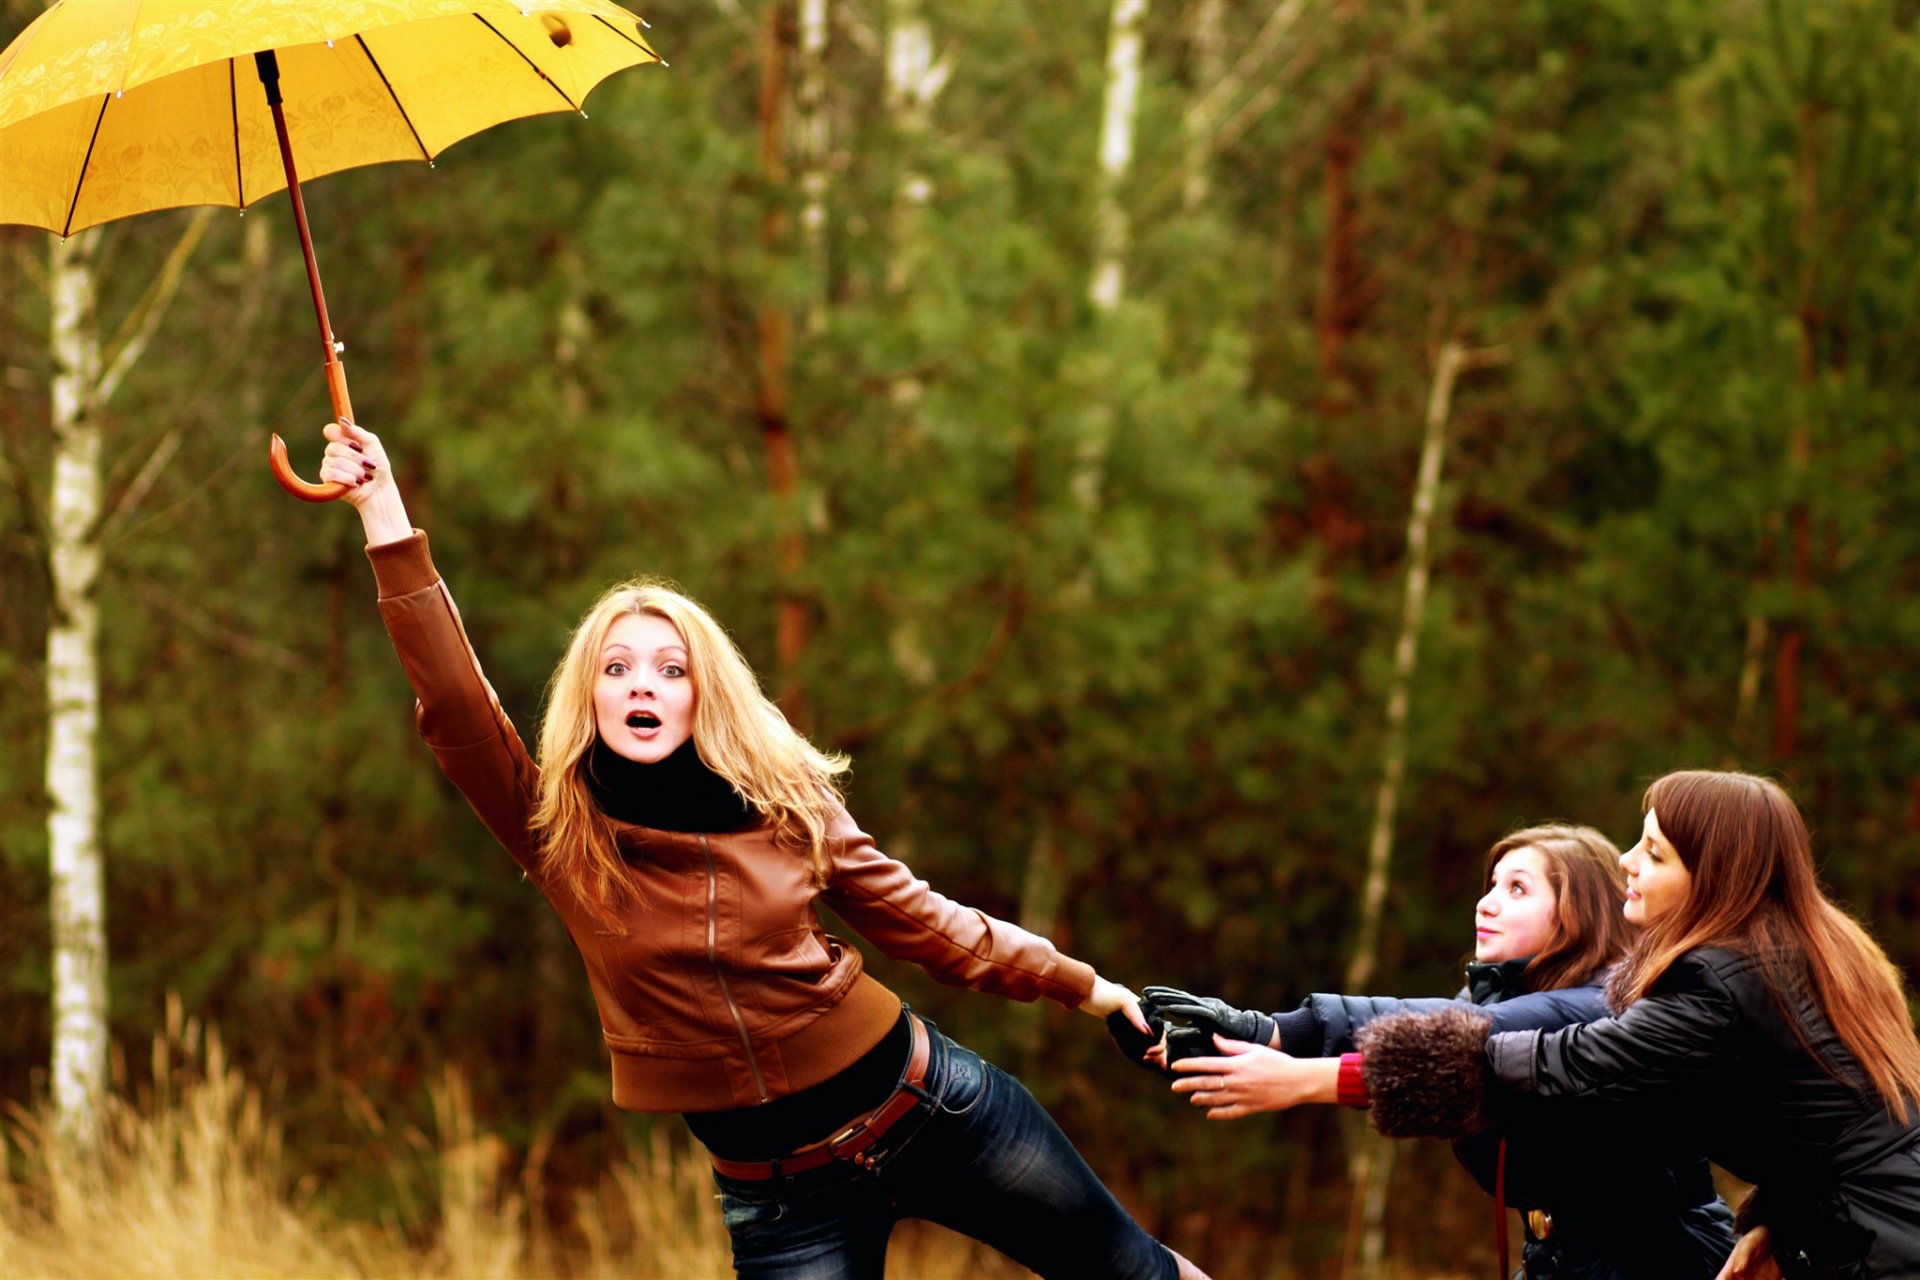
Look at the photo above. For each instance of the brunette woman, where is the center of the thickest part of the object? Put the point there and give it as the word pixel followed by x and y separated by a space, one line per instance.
pixel 1597 1200
pixel 1752 1015
pixel 684 832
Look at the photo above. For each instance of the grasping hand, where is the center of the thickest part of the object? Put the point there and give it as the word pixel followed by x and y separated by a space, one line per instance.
pixel 1109 998
pixel 356 459
pixel 1252 1077
pixel 1752 1258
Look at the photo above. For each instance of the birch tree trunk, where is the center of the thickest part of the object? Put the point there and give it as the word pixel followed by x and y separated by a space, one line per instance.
pixel 1209 66
pixel 1406 650
pixel 1111 231
pixel 1042 893
pixel 1110 227
pixel 1371 1162
pixel 811 141
pixel 914 80
pixel 78 899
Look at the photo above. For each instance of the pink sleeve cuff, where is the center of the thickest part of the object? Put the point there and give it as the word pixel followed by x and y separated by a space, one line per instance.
pixel 1352 1088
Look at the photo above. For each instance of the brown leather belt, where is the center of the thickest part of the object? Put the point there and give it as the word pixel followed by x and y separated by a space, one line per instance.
pixel 850 1143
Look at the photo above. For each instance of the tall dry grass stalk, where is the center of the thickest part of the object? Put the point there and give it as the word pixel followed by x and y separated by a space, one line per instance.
pixel 187 1186
pixel 193 1181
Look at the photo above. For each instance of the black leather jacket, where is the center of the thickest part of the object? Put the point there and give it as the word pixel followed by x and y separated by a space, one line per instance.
pixel 1623 1208
pixel 1712 1052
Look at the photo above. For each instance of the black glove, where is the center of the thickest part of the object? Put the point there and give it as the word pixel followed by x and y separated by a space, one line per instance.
pixel 1195 1020
pixel 1132 1042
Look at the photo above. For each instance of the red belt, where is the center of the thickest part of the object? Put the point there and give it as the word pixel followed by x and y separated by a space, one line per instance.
pixel 851 1142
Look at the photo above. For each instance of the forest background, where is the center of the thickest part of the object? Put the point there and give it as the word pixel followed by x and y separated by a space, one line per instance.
pixel 1080 502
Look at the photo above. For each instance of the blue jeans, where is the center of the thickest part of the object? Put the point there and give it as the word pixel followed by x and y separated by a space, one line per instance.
pixel 983 1158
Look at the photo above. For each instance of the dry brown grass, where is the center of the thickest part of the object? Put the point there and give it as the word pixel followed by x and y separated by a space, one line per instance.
pixel 194 1182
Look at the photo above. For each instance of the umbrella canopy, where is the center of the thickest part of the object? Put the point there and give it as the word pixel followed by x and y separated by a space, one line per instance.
pixel 115 107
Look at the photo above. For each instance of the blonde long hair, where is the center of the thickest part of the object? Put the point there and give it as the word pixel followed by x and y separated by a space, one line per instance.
pixel 737 730
pixel 1754 889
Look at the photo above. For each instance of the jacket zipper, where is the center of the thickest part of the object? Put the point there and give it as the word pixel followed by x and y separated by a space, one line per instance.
pixel 713 958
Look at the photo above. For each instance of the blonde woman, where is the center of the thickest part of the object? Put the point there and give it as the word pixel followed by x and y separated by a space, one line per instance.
pixel 684 831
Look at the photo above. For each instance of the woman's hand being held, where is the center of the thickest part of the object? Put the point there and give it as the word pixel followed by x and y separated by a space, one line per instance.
pixel 1752 1258
pixel 1111 997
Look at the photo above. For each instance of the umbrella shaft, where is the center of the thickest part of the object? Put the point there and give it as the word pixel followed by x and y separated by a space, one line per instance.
pixel 269 68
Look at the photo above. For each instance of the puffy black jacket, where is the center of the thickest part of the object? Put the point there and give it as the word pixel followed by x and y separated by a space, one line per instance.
pixel 1717 1053
pixel 1622 1207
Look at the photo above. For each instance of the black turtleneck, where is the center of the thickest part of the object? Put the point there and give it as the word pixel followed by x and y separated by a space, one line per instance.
pixel 677 794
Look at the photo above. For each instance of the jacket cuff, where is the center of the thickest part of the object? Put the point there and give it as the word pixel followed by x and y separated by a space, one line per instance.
pixel 1300 1035
pixel 1352 1088
pixel 1427 1072
pixel 1511 1056
pixel 1072 982
pixel 404 567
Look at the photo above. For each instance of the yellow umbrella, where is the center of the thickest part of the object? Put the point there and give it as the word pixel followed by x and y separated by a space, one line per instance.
pixel 115 107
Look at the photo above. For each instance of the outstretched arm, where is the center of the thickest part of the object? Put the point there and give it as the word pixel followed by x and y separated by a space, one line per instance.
pixel 1248 1078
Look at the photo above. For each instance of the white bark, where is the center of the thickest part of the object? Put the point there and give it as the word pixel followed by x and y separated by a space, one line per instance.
pixel 1370 1164
pixel 1110 229
pixel 1413 609
pixel 811 137
pixel 1209 65
pixel 1043 891
pixel 78 902
pixel 914 80
pixel 1110 232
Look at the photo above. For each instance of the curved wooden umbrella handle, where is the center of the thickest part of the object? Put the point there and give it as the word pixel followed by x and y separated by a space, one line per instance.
pixel 305 490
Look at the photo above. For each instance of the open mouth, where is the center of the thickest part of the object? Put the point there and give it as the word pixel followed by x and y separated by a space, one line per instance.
pixel 642 720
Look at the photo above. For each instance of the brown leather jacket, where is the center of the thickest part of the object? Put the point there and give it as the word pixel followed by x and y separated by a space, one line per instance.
pixel 724 991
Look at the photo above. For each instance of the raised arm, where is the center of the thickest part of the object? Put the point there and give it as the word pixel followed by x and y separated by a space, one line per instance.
pixel 456 710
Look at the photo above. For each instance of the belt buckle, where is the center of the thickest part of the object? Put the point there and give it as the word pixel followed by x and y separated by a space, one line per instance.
pixel 838 1144
pixel 853 1131
pixel 1540 1223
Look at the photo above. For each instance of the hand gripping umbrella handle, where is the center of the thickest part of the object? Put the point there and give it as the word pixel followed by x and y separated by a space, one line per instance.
pixel 305 490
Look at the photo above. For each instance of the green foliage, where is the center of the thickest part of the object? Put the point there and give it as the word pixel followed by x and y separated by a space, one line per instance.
pixel 1124 582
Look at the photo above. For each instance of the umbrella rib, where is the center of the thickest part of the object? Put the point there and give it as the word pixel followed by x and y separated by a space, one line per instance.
pixel 529 61
pixel 623 35
pixel 233 107
pixel 67 230
pixel 397 106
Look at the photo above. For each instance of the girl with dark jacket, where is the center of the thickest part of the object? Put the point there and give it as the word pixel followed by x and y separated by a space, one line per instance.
pixel 1599 1200
pixel 683 831
pixel 1752 1016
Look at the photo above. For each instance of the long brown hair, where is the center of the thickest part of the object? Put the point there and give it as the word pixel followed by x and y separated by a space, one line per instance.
pixel 740 735
pixel 1754 889
pixel 1589 932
